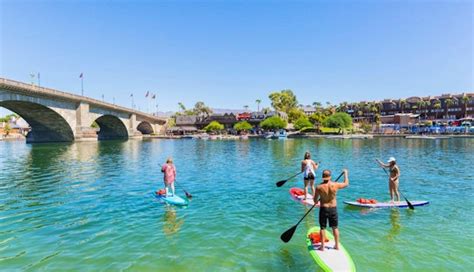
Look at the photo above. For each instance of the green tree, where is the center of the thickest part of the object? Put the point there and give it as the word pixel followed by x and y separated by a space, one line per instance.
pixel 302 123
pixel 258 101
pixel 184 110
pixel 343 106
pixel 317 118
pixel 377 118
pixel 295 114
pixel 266 110
pixel 437 106
pixel 7 129
pixel 317 105
pixel 366 127
pixel 402 102
pixel 171 122
pixel 465 100
pixel 339 120
pixel 214 126
pixel 243 126
pixel 283 101
pixel 200 109
pixel 94 125
pixel 273 122
pixel 448 103
pixel 8 117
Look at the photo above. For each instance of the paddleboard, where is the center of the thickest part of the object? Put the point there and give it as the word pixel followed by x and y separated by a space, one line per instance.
pixel 173 200
pixel 330 259
pixel 297 194
pixel 401 204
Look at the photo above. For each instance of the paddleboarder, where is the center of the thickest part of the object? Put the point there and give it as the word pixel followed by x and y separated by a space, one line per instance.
pixel 326 195
pixel 169 175
pixel 393 179
pixel 308 167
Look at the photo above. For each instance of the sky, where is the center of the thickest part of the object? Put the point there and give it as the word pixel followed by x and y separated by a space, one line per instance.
pixel 230 53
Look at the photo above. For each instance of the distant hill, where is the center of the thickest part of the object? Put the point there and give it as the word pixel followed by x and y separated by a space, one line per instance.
pixel 165 114
pixel 222 111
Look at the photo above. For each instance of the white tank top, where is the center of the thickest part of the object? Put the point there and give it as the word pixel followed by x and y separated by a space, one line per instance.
pixel 309 169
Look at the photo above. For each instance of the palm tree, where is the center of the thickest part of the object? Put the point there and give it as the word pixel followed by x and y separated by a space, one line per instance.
pixel 437 106
pixel 246 107
pixel 343 106
pixel 317 105
pixel 201 109
pixel 258 101
pixel 464 100
pixel 448 103
pixel 402 102
pixel 181 106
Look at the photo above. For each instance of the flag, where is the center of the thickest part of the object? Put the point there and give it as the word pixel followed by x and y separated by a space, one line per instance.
pixel 81 75
pixel 154 96
pixel 147 93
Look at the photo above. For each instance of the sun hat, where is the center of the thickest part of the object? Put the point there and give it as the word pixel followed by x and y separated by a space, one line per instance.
pixel 391 159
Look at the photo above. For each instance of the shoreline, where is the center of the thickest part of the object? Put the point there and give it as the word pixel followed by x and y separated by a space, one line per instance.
pixel 311 136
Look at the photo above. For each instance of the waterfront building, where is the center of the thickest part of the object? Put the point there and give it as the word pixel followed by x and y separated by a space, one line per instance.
pixel 444 107
pixel 308 110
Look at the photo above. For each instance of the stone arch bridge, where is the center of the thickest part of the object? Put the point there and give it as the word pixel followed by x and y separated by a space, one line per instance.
pixel 56 116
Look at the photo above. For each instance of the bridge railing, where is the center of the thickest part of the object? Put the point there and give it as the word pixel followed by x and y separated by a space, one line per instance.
pixel 31 88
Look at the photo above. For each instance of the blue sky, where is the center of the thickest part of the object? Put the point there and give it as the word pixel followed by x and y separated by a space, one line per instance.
pixel 230 53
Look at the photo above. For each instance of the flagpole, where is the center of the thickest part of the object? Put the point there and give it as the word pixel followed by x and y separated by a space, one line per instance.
pixel 148 105
pixel 82 84
pixel 39 82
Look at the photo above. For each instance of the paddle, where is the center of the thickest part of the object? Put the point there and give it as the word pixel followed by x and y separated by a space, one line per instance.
pixel 287 235
pixel 408 202
pixel 281 182
pixel 188 195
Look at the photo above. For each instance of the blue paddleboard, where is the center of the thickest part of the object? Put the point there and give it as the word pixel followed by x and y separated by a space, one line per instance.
pixel 173 200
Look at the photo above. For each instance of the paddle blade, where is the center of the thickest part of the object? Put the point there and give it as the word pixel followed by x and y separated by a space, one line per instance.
pixel 287 235
pixel 188 195
pixel 281 182
pixel 409 204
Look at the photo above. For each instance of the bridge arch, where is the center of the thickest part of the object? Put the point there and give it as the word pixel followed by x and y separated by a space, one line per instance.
pixel 46 124
pixel 145 128
pixel 111 128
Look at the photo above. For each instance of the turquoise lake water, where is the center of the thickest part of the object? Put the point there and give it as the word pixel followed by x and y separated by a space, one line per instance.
pixel 89 206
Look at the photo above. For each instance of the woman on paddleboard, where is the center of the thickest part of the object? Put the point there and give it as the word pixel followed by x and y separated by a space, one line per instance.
pixel 169 175
pixel 308 167
pixel 393 179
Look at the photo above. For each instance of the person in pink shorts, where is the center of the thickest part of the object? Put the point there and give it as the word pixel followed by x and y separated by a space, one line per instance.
pixel 169 175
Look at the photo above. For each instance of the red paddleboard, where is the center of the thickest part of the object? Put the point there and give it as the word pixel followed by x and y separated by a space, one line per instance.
pixel 297 194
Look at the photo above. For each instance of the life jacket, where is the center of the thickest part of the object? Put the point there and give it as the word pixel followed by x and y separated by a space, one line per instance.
pixel 298 192
pixel 366 201
pixel 315 238
pixel 161 192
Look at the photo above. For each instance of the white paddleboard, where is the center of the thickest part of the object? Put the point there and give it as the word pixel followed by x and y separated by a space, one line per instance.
pixel 330 259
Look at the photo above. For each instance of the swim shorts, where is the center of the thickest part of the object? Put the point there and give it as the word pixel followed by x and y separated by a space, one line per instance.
pixel 326 214
pixel 310 176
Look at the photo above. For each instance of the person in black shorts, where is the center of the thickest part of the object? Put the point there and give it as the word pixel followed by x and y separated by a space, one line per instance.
pixel 308 167
pixel 326 195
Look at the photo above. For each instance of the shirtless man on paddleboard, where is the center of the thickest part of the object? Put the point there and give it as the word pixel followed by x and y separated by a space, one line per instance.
pixel 393 179
pixel 326 194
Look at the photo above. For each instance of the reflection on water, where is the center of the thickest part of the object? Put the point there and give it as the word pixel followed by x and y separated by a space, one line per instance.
pixel 395 223
pixel 171 223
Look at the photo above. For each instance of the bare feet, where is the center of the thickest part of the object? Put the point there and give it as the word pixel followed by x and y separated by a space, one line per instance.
pixel 321 248
pixel 336 247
